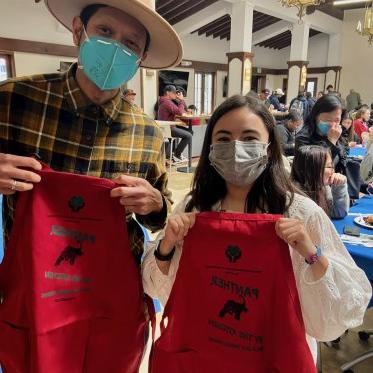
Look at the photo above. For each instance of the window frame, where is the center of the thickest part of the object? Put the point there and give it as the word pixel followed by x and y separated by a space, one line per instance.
pixel 201 107
pixel 9 57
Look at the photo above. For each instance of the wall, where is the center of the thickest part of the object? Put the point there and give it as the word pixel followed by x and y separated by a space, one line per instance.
pixel 271 58
pixel 357 57
pixel 200 48
pixel 318 47
pixel 28 63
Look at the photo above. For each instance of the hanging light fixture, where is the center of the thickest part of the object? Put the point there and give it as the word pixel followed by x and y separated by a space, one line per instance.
pixel 366 29
pixel 302 5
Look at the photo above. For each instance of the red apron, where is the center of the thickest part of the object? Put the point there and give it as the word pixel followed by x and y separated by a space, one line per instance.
pixel 234 307
pixel 72 297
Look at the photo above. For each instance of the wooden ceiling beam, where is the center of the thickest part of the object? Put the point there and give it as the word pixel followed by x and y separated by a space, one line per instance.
pixel 192 10
pixel 169 10
pixel 217 30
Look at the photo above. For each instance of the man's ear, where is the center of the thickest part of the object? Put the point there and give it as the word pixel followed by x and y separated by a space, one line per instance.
pixel 77 30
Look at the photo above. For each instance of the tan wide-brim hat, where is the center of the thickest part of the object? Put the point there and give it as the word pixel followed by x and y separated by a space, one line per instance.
pixel 165 49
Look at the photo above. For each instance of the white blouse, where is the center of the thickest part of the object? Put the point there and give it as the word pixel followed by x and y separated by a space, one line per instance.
pixel 331 305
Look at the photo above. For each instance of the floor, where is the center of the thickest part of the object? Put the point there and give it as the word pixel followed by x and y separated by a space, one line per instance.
pixel 333 357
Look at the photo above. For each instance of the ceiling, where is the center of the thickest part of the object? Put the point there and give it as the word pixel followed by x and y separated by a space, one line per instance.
pixel 283 40
pixel 221 27
pixel 177 10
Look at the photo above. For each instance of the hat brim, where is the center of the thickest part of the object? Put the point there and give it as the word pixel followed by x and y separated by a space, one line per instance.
pixel 165 48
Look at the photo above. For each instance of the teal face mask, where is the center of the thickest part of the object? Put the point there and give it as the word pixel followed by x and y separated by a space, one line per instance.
pixel 322 128
pixel 107 63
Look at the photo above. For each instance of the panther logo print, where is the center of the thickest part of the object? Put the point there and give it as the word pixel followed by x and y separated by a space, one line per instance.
pixel 76 203
pixel 69 254
pixel 234 308
pixel 233 253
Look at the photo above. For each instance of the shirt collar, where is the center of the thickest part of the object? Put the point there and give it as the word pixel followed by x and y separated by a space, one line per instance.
pixel 78 101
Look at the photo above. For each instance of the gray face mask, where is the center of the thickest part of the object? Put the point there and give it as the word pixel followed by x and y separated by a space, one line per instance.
pixel 239 162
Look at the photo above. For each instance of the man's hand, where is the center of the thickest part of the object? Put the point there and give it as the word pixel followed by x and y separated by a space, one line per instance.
pixel 13 178
pixel 137 195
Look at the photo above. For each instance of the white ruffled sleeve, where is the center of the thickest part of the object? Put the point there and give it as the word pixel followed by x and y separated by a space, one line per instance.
pixel 155 283
pixel 338 300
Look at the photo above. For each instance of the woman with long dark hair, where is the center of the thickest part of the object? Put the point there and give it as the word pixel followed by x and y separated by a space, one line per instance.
pixel 313 172
pixel 323 127
pixel 349 138
pixel 241 170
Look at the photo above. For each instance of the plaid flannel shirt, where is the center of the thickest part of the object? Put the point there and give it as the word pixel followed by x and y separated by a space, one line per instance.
pixel 50 116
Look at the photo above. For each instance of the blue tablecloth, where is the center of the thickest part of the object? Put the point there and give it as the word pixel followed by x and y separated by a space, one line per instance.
pixel 362 255
pixel 356 152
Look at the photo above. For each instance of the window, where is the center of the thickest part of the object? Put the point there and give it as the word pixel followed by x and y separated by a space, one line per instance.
pixel 311 86
pixel 6 66
pixel 204 92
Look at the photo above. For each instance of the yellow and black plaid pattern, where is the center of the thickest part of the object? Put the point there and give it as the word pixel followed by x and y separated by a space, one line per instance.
pixel 49 116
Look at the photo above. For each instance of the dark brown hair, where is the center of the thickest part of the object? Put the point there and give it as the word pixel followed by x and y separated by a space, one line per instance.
pixel 351 131
pixel 272 192
pixel 308 172
pixel 90 10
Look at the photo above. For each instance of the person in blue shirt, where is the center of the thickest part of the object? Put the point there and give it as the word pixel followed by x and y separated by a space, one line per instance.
pixel 275 100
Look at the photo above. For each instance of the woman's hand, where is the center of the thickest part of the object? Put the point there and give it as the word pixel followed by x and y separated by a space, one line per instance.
pixel 337 179
pixel 177 228
pixel 294 233
pixel 335 132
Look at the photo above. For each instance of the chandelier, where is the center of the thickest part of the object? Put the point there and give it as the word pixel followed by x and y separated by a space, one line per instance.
pixel 366 29
pixel 302 5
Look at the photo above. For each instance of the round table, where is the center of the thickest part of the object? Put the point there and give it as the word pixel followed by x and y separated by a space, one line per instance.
pixel 362 255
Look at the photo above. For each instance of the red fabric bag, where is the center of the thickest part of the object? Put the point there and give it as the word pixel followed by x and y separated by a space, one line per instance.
pixel 72 294
pixel 234 307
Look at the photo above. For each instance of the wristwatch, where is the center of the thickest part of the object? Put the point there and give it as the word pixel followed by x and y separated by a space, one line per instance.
pixel 161 257
pixel 315 257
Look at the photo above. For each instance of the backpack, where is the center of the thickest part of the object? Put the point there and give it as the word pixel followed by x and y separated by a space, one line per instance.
pixel 298 106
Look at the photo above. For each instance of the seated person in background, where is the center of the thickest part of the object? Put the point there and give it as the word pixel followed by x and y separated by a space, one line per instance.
pixel 311 102
pixel 360 122
pixel 323 127
pixel 192 110
pixel 366 167
pixel 129 95
pixel 313 172
pixel 167 108
pixel 300 104
pixel 274 100
pixel 167 111
pixel 370 121
pixel 264 97
pixel 286 131
pixel 180 98
pixel 349 138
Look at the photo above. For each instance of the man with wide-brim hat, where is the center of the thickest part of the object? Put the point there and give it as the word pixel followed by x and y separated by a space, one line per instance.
pixel 79 122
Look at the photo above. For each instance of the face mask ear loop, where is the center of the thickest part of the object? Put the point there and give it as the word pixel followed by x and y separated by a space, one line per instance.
pixel 80 66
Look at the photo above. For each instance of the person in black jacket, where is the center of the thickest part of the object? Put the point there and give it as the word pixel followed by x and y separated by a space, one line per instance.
pixel 323 127
pixel 286 131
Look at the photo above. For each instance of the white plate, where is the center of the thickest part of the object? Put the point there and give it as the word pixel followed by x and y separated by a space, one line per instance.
pixel 360 221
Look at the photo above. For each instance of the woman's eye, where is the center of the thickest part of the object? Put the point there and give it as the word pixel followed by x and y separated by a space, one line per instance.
pixel 223 139
pixel 249 138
